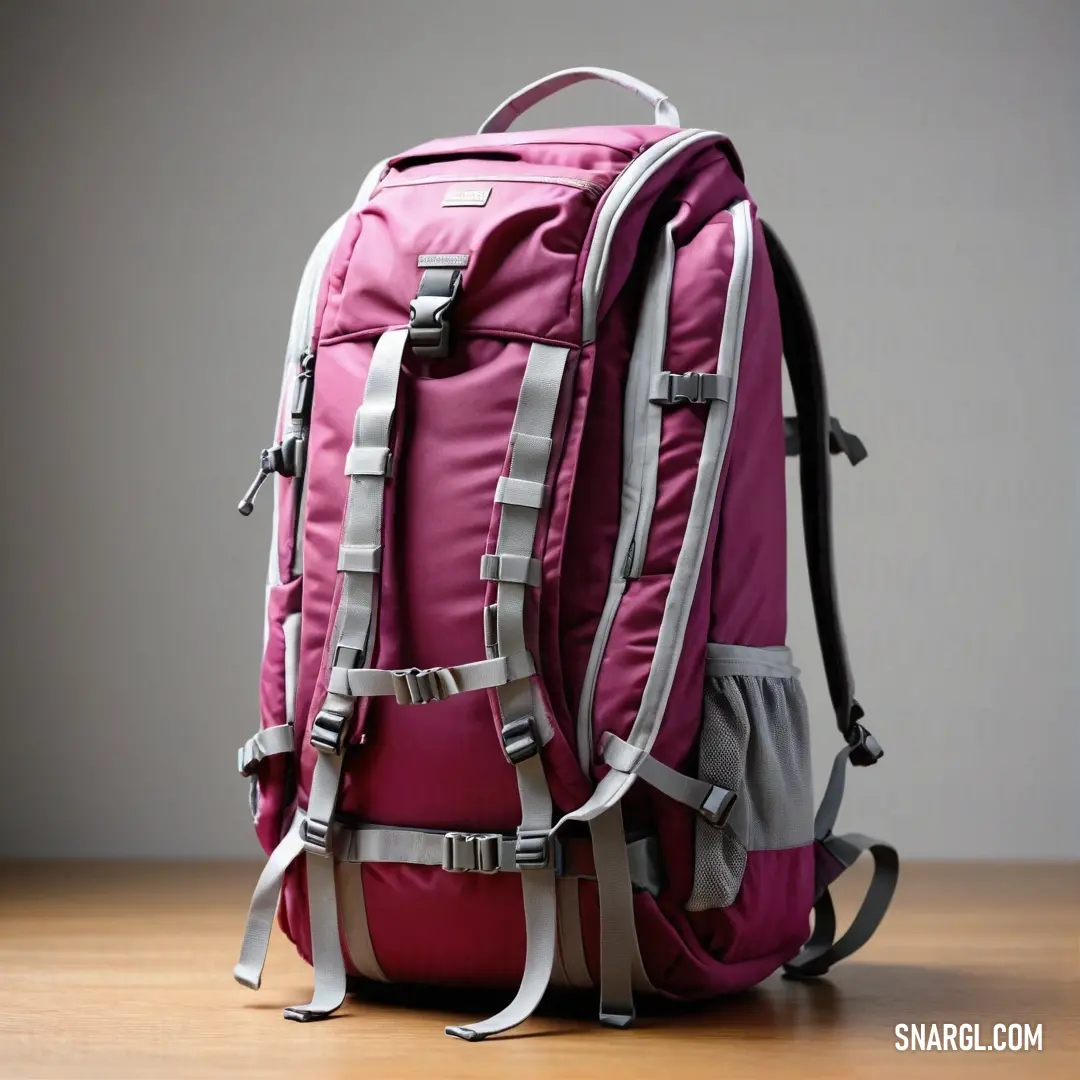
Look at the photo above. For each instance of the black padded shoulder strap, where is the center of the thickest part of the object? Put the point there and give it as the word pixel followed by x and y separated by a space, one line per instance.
pixel 816 437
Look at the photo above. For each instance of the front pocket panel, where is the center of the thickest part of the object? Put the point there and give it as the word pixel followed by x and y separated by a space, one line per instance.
pixel 755 741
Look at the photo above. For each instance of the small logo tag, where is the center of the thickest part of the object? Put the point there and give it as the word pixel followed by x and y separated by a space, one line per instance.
pixel 467 197
pixel 443 262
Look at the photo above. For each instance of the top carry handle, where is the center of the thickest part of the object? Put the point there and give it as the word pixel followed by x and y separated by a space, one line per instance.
pixel 501 119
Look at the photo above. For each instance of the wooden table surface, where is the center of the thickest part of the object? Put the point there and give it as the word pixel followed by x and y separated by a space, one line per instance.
pixel 123 972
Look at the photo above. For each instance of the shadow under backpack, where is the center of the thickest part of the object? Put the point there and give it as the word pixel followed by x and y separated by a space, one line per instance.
pixel 527 714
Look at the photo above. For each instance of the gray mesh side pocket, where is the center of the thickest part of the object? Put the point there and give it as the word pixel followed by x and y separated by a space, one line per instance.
pixel 755 741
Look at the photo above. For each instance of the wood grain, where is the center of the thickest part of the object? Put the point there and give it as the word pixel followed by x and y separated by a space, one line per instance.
pixel 122 972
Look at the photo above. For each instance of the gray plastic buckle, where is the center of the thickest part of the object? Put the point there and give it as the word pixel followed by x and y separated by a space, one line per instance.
pixel 415 686
pixel 316 836
pixel 327 732
pixel 689 388
pixel 717 807
pixel 537 849
pixel 519 740
pixel 429 327
pixel 465 852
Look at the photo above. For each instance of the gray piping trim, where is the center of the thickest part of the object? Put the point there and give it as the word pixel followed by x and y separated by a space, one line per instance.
pixel 617 925
pixel 771 661
pixel 620 195
pixel 641 448
pixel 291 633
pixel 713 453
pixel 614 785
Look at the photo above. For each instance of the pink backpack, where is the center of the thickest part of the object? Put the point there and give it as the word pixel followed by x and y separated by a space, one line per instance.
pixel 528 718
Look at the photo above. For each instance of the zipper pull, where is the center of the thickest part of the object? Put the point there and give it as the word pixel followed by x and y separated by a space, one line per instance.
pixel 266 467
pixel 288 457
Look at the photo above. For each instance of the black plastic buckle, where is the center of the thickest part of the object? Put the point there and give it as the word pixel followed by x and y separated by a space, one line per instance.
pixel 327 732
pixel 865 749
pixel 429 325
pixel 519 740
pixel 537 849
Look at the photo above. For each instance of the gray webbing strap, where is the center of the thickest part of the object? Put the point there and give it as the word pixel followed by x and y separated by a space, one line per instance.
pixel 823 950
pixel 711 801
pixel 487 853
pixel 355 616
pixel 571 941
pixel 327 959
pixel 530 452
pixel 311 832
pixel 263 909
pixel 620 956
pixel 416 686
pixel 278 739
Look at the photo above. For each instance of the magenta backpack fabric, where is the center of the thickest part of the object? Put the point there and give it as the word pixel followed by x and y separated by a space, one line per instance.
pixel 636 254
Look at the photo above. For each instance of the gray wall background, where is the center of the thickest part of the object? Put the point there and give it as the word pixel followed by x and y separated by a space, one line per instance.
pixel 166 167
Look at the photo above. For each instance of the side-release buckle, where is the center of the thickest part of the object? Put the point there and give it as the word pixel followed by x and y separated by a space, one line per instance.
pixel 464 852
pixel 429 325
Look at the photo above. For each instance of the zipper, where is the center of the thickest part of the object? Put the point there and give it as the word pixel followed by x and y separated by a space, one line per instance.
pixel 288 457
pixel 641 446
pixel 642 420
pixel 514 178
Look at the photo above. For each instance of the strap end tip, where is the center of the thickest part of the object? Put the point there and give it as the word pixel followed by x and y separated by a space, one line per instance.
pixel 616 1020
pixel 304 1015
pixel 466 1033
pixel 252 982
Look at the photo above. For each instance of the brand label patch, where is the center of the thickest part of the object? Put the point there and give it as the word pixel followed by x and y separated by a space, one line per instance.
pixel 443 262
pixel 467 197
